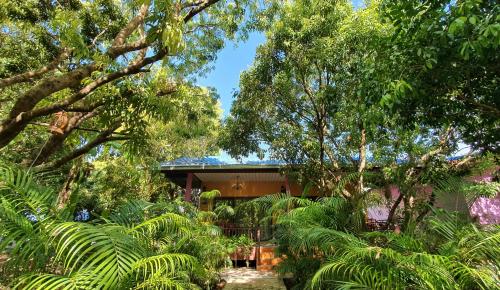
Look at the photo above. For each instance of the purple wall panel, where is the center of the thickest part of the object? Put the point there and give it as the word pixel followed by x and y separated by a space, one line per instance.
pixel 486 210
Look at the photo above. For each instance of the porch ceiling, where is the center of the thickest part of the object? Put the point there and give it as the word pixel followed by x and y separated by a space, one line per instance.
pixel 242 176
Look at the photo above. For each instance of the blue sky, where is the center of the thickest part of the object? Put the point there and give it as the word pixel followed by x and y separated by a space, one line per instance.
pixel 231 61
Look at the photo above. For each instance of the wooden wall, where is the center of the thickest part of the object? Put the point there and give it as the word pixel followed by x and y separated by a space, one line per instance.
pixel 252 188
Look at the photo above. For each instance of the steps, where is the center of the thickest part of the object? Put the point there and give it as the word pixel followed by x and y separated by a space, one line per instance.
pixel 267 259
pixel 251 279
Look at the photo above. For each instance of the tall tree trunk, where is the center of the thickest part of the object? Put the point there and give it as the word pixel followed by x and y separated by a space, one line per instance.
pixel 322 158
pixel 362 159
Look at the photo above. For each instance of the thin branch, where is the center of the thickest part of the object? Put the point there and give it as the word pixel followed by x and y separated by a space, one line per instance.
pixel 136 68
pixel 202 5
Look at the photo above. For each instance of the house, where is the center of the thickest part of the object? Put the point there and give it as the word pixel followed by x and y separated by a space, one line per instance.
pixel 245 181
pixel 234 181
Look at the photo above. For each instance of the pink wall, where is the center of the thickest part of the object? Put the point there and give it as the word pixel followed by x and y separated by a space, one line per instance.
pixel 486 210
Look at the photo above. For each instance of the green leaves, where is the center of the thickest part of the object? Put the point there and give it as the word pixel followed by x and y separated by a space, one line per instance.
pixel 106 250
pixel 171 36
pixel 149 248
pixel 68 25
pixel 169 223
pixel 387 260
pixel 163 265
pixel 75 281
pixel 457 26
pixel 436 48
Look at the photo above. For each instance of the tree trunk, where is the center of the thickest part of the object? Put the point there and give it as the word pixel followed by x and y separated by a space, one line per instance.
pixel 362 159
pixel 65 192
pixel 390 216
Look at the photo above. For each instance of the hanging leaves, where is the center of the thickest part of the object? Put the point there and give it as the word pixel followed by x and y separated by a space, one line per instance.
pixel 172 35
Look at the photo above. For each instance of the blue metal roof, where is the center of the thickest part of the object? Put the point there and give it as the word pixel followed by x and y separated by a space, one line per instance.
pixel 212 161
pixel 204 162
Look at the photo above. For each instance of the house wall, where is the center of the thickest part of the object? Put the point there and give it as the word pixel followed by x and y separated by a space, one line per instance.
pixel 252 188
pixel 486 210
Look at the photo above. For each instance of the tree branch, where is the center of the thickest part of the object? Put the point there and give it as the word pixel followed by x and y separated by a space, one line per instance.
pixel 201 5
pixel 33 75
pixel 129 29
pixel 102 138
pixel 13 126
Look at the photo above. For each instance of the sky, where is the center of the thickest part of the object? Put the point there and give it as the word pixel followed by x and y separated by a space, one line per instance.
pixel 233 59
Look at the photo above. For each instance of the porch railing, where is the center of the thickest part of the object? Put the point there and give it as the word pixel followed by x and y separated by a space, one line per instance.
pixel 258 234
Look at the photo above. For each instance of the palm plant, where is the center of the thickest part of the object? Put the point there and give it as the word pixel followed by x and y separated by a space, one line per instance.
pixel 138 246
pixel 324 253
pixel 209 196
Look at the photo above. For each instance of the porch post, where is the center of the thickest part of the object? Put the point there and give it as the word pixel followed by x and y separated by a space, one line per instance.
pixel 189 183
pixel 287 185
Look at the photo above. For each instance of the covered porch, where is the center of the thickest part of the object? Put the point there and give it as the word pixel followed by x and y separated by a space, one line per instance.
pixel 233 181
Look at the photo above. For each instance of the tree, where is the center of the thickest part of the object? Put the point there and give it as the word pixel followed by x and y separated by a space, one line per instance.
pixel 313 96
pixel 291 95
pixel 449 51
pixel 88 71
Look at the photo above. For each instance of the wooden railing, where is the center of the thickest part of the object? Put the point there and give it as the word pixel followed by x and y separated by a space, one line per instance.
pixel 257 234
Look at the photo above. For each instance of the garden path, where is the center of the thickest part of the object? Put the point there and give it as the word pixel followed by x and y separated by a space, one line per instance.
pixel 251 279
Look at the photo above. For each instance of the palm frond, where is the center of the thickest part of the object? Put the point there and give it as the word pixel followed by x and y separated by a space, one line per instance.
pixel 164 265
pixel 21 237
pixel 167 223
pixel 75 281
pixel 210 195
pixel 130 213
pixel 20 189
pixel 165 283
pixel 107 250
pixel 224 211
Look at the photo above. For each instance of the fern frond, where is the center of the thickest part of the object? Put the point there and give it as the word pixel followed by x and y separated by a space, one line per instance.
pixel 130 213
pixel 210 195
pixel 165 283
pixel 166 264
pixel 19 188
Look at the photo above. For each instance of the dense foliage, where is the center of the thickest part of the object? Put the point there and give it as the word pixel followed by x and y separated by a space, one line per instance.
pixel 78 74
pixel 322 248
pixel 317 97
pixel 449 53
pixel 95 94
pixel 137 245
